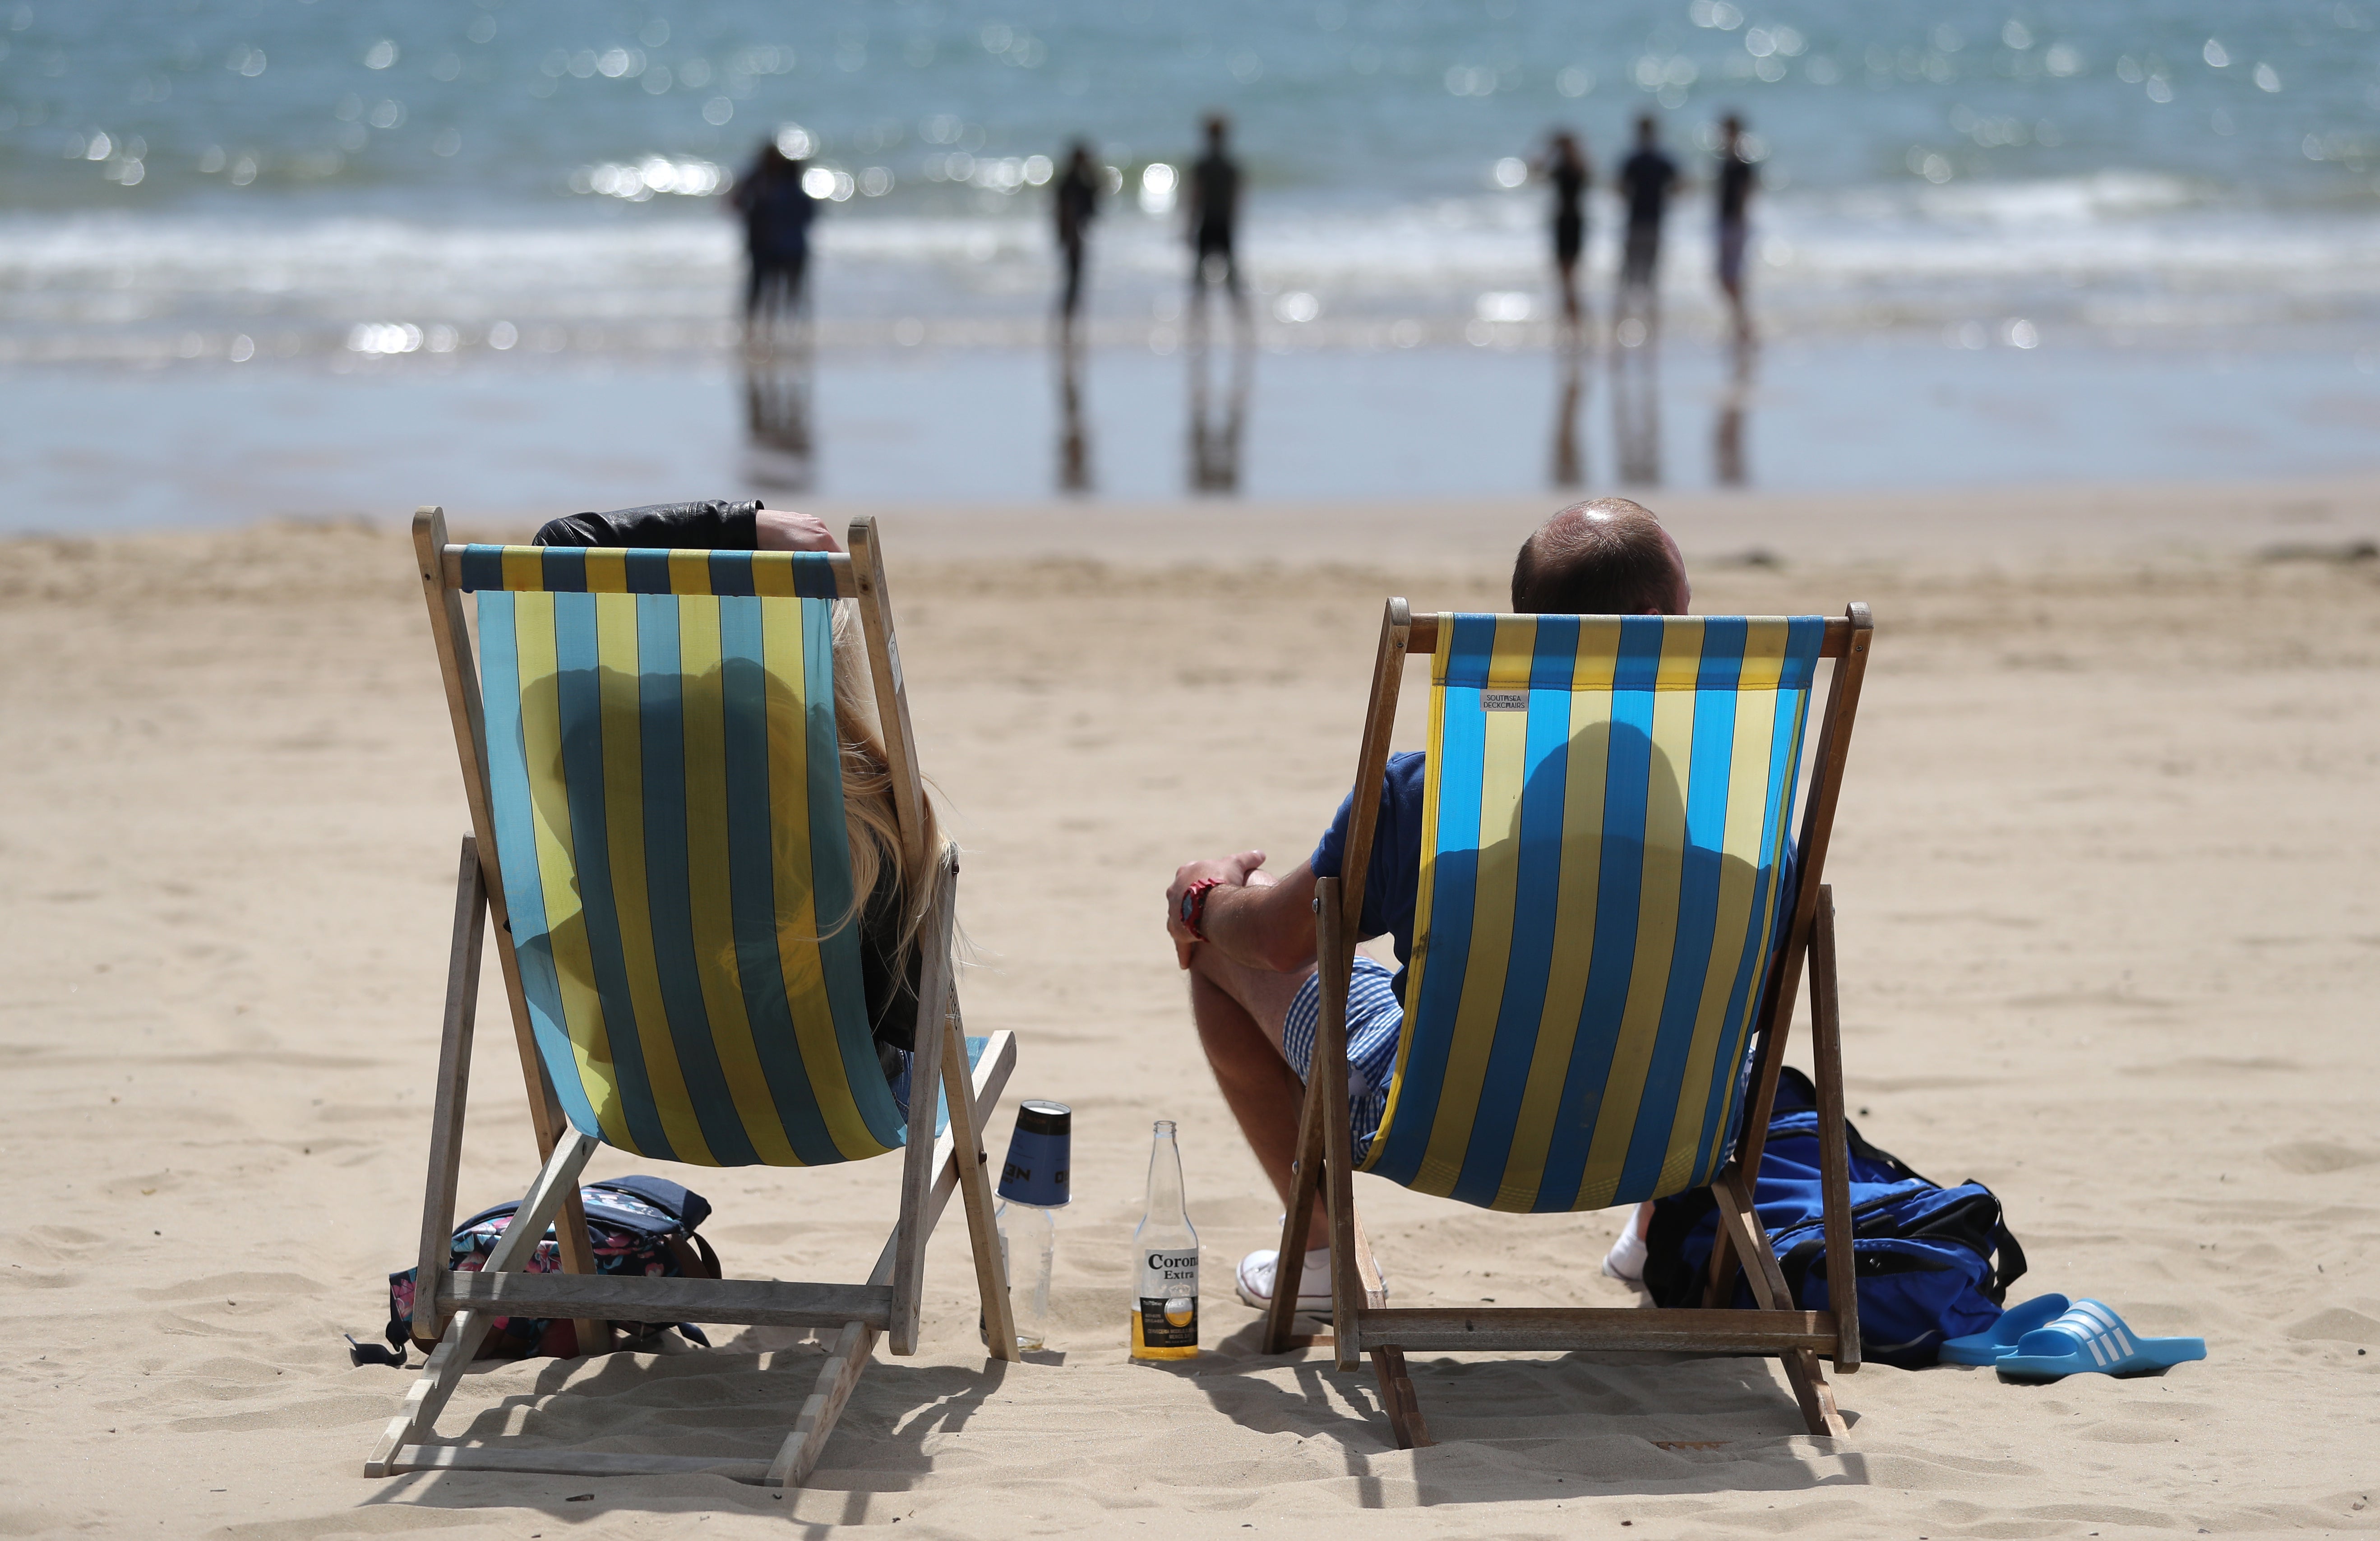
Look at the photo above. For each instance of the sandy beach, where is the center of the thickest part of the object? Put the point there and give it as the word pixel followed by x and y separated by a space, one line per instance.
pixel 2110 945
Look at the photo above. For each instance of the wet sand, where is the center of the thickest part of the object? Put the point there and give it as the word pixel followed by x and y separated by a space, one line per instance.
pixel 966 426
pixel 2109 945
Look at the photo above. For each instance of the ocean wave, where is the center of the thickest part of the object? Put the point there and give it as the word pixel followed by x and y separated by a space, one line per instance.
pixel 2118 250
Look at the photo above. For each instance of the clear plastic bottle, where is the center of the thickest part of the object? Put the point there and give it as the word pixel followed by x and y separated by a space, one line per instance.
pixel 1028 1246
pixel 1165 1262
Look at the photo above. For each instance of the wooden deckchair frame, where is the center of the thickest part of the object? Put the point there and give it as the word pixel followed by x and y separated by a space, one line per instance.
pixel 1362 1322
pixel 456 1309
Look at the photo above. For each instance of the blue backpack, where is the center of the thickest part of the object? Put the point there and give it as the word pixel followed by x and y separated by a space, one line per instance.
pixel 1931 1262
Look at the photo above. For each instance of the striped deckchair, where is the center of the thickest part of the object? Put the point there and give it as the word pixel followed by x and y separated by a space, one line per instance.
pixel 1613 916
pixel 651 756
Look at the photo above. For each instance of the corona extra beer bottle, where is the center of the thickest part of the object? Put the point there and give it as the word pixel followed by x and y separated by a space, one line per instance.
pixel 1165 1262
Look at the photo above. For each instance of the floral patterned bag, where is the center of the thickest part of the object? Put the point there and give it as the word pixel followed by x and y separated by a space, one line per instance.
pixel 636 1225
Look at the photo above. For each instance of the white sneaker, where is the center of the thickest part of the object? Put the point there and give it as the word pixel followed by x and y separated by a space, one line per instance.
pixel 1255 1277
pixel 1625 1261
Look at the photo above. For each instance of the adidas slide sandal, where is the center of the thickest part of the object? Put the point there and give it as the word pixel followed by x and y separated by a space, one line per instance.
pixel 1986 1347
pixel 2088 1338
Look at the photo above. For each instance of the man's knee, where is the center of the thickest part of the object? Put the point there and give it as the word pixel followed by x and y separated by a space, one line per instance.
pixel 1262 994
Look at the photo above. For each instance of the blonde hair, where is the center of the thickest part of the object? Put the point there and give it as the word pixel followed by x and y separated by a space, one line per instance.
pixel 869 811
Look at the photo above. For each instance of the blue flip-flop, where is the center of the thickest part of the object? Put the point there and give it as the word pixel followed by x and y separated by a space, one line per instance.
pixel 1988 1346
pixel 2088 1338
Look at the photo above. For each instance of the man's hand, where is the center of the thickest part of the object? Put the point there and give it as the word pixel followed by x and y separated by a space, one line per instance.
pixel 1238 871
pixel 781 530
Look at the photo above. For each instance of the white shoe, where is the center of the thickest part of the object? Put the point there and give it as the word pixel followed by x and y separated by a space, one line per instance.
pixel 1255 1277
pixel 1625 1261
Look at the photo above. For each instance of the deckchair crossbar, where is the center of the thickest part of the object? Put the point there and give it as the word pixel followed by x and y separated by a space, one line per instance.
pixel 1422 637
pixel 634 1297
pixel 1551 1330
pixel 569 1462
pixel 634 570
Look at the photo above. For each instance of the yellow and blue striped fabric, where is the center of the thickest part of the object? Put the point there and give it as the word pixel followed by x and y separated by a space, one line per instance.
pixel 1604 833
pixel 637 570
pixel 667 791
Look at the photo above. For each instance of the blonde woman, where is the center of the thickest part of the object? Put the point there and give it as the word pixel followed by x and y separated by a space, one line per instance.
pixel 891 897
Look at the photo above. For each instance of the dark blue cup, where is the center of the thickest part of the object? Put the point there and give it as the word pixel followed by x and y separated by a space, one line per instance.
pixel 1039 1155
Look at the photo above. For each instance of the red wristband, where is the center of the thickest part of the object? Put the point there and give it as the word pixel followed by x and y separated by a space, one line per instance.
pixel 1193 906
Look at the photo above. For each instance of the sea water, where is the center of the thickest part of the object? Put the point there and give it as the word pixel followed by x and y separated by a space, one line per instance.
pixel 390 191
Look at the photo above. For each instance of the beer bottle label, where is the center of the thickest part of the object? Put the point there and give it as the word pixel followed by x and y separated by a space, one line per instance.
pixel 1169 1299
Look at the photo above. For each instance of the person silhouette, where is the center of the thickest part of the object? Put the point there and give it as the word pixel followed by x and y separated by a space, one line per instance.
pixel 777 211
pixel 1737 180
pixel 1213 218
pixel 1565 166
pixel 1645 179
pixel 1077 204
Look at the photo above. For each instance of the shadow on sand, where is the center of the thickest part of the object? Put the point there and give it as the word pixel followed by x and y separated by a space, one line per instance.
pixel 736 1406
pixel 1525 1427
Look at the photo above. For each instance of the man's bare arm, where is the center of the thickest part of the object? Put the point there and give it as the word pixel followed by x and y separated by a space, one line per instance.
pixel 1255 921
pixel 1266 924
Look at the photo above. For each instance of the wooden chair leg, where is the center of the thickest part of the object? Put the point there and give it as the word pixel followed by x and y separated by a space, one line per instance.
pixel 468 1329
pixel 1813 1395
pixel 1741 1223
pixel 1289 1271
pixel 926 1067
pixel 1336 951
pixel 1718 1283
pixel 1771 1292
pixel 856 1344
pixel 798 1456
pixel 975 1195
pixel 1397 1397
pixel 1375 1290
pixel 453 1096
pixel 1834 1146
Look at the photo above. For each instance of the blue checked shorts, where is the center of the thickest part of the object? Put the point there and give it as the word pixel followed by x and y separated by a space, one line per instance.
pixel 1376 1019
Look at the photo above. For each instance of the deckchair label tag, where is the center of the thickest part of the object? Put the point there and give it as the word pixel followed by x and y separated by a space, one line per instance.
pixel 1504 701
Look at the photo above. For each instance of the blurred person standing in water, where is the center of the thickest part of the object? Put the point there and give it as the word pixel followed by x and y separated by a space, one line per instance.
pixel 1647 178
pixel 777 211
pixel 1077 204
pixel 1565 166
pixel 1213 213
pixel 1737 180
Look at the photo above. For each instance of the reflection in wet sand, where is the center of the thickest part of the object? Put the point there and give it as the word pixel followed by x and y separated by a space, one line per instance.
pixel 1727 431
pixel 1569 458
pixel 779 371
pixel 1636 411
pixel 1073 442
pixel 1215 435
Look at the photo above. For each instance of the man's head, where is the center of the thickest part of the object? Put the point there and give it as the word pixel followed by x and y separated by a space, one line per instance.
pixel 1730 131
pixel 1607 556
pixel 1219 128
pixel 1648 129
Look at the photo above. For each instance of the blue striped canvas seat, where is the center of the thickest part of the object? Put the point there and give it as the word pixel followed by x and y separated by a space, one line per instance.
pixel 1606 864
pixel 666 791
pixel 660 841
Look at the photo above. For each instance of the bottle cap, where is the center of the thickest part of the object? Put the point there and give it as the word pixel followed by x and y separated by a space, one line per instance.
pixel 1039 1155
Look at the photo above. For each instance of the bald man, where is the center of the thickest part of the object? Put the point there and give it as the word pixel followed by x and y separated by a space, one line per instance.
pixel 1246 938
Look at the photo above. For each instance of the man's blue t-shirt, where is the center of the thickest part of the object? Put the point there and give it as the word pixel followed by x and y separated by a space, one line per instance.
pixel 1393 881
